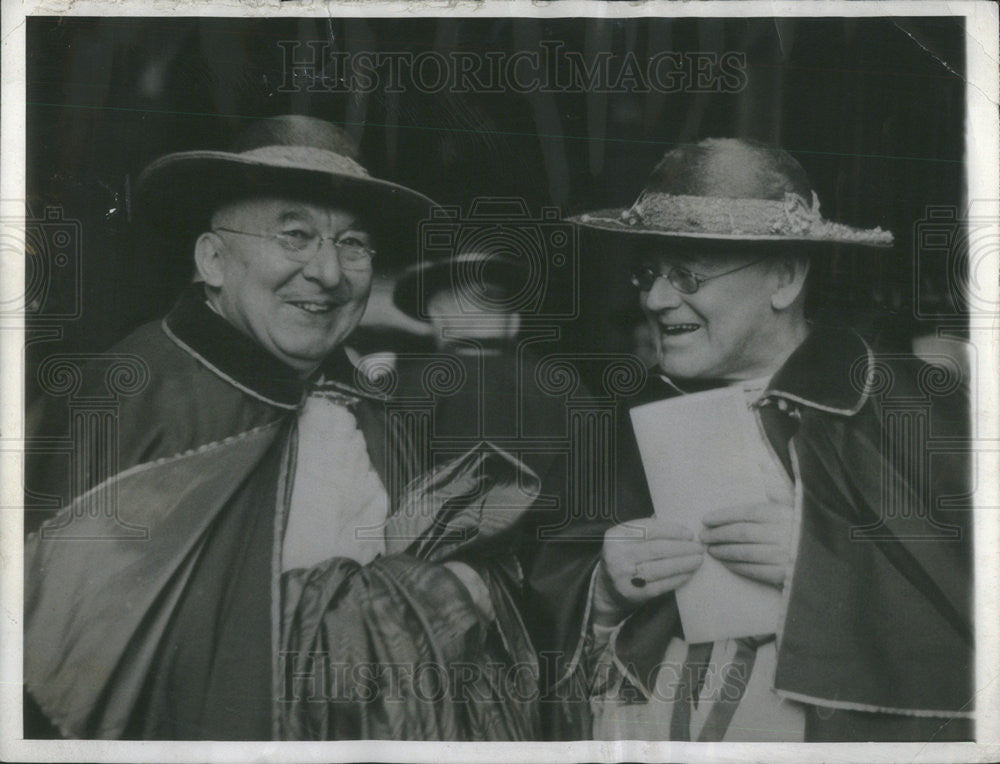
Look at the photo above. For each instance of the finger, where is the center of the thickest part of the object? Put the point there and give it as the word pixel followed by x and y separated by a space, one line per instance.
pixel 754 513
pixel 622 563
pixel 762 554
pixel 633 530
pixel 657 570
pixel 658 549
pixel 620 560
pixel 667 529
pixel 766 574
pixel 743 533
pixel 664 585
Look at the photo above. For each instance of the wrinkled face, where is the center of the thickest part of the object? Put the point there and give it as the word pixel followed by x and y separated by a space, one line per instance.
pixel 299 308
pixel 728 329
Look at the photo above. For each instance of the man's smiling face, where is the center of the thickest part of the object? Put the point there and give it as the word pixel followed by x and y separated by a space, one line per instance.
pixel 727 329
pixel 298 308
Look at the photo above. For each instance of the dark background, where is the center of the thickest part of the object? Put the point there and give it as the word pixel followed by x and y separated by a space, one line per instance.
pixel 872 108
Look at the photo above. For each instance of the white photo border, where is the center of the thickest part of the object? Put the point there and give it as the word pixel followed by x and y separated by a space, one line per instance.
pixel 982 161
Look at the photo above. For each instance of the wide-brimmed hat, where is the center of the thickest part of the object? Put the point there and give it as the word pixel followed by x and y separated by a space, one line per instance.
pixel 292 155
pixel 480 281
pixel 732 190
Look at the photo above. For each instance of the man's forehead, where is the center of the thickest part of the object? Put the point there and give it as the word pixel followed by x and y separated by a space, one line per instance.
pixel 670 253
pixel 279 209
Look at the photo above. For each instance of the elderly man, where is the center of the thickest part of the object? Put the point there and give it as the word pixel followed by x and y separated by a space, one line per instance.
pixel 863 541
pixel 263 573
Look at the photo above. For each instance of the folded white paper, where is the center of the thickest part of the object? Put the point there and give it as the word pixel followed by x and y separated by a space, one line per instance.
pixel 698 457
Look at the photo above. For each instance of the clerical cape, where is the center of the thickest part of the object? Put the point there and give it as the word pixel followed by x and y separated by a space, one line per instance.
pixel 155 603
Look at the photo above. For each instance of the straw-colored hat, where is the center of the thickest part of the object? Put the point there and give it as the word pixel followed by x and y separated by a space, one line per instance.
pixel 730 190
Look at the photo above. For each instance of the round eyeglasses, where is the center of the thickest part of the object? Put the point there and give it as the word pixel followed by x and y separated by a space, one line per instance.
pixel 680 278
pixel 301 246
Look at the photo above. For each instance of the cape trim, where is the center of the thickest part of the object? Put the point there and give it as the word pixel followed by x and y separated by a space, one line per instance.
pixel 221 374
pixel 847 705
pixel 283 497
pixel 793 371
pixel 48 674
pixel 145 466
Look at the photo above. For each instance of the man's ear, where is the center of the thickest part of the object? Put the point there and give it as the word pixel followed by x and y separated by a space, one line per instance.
pixel 208 258
pixel 791 274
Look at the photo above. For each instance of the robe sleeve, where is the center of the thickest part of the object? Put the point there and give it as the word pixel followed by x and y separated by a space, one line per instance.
pixel 398 649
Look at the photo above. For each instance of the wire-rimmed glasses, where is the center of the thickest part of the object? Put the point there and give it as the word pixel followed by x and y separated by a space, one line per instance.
pixel 680 278
pixel 300 245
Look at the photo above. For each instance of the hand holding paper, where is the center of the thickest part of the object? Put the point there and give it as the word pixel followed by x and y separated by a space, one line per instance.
pixel 663 553
pixel 697 454
pixel 751 540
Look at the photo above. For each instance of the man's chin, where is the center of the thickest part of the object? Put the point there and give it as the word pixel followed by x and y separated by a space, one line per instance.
pixel 679 369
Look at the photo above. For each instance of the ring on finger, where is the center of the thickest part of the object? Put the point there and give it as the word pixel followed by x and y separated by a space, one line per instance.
pixel 637 580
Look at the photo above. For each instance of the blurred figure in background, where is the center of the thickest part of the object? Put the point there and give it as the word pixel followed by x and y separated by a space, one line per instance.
pixel 470 303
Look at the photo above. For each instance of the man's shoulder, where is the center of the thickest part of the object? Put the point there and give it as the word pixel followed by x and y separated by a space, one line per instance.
pixel 152 342
pixel 147 341
pixel 129 368
pixel 937 385
pixel 899 375
pixel 170 400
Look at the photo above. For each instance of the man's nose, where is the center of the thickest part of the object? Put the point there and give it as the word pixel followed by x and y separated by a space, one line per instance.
pixel 662 295
pixel 324 267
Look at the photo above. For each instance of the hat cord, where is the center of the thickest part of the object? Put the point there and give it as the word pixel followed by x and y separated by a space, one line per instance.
pixel 792 216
